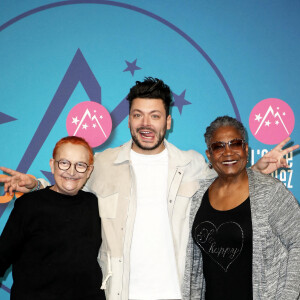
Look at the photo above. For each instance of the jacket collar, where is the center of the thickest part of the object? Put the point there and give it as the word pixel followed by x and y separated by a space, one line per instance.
pixel 124 153
pixel 175 155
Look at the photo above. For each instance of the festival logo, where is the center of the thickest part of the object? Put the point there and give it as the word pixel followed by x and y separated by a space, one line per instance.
pixel 91 121
pixel 271 121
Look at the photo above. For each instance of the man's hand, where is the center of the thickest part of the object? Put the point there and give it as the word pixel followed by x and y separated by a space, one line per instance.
pixel 274 160
pixel 17 181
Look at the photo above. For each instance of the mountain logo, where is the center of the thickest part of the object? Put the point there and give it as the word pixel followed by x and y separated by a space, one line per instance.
pixel 91 121
pixel 271 120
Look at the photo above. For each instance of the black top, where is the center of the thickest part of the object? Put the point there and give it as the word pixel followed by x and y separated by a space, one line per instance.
pixel 225 240
pixel 52 241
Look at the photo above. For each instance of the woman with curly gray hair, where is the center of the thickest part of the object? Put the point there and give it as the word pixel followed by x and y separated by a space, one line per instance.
pixel 245 227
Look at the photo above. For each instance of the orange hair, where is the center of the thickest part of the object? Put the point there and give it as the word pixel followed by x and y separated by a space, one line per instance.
pixel 75 140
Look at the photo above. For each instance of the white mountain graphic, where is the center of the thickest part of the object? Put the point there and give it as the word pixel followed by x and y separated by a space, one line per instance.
pixel 275 116
pixel 87 114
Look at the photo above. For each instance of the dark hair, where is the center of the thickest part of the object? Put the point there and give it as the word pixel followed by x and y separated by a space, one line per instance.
pixel 75 140
pixel 151 88
pixel 221 122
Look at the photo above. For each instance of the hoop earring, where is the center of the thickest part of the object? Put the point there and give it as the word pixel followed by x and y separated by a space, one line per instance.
pixel 210 165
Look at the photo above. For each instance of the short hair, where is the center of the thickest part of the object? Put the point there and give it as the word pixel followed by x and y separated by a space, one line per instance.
pixel 75 140
pixel 152 88
pixel 221 122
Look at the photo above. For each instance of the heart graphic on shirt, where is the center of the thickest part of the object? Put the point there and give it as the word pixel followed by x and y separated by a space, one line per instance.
pixel 215 242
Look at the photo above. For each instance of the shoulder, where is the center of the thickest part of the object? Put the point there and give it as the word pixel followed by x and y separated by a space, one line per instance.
pixel 87 195
pixel 194 161
pixel 272 190
pixel 110 154
pixel 264 180
pixel 89 202
pixel 184 155
pixel 29 199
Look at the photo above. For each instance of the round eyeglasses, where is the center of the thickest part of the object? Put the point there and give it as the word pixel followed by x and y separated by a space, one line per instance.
pixel 219 147
pixel 65 165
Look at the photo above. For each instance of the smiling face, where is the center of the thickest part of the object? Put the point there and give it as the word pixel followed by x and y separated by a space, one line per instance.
pixel 69 182
pixel 148 124
pixel 231 161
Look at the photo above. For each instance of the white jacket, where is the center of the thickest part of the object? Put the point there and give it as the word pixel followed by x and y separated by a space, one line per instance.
pixel 113 182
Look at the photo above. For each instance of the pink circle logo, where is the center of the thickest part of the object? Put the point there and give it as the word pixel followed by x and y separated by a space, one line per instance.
pixel 91 121
pixel 271 120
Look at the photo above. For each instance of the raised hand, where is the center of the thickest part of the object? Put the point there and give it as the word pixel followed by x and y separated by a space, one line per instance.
pixel 17 181
pixel 274 159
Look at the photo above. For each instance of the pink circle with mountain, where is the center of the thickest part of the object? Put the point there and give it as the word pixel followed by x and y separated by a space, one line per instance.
pixel 91 121
pixel 271 120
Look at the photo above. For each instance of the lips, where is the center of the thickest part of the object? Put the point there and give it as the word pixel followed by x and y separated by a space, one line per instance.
pixel 229 162
pixel 69 178
pixel 146 134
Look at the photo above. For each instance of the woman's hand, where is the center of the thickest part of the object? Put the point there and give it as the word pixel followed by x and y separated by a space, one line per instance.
pixel 274 159
pixel 17 181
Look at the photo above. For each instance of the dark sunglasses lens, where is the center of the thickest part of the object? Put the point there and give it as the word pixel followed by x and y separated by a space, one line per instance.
pixel 236 145
pixel 217 147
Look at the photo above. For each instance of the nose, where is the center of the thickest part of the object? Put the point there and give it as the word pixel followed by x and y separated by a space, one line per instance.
pixel 146 120
pixel 227 150
pixel 72 170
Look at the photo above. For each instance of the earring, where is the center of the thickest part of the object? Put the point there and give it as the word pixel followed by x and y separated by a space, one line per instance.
pixel 210 165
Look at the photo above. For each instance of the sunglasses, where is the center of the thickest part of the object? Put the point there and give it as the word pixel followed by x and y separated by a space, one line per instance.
pixel 65 165
pixel 234 145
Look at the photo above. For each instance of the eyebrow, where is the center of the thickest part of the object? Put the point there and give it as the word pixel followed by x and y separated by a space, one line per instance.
pixel 151 112
pixel 80 161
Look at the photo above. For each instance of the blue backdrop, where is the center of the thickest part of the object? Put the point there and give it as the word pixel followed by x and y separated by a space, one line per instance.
pixel 219 57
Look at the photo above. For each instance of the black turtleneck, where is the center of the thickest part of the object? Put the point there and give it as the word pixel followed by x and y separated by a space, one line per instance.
pixel 52 241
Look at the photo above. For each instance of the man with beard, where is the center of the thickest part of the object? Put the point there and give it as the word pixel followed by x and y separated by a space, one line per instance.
pixel 144 189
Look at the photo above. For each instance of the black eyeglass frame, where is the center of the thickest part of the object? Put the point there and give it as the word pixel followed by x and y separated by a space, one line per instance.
pixel 226 143
pixel 70 164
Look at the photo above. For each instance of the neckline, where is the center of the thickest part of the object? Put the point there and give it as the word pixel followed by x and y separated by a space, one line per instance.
pixel 145 157
pixel 240 206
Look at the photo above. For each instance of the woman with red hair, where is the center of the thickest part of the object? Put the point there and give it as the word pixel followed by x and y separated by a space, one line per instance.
pixel 53 235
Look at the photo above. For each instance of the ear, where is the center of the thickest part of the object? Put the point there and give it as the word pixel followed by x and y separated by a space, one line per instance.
pixel 169 122
pixel 246 149
pixel 89 171
pixel 207 154
pixel 51 163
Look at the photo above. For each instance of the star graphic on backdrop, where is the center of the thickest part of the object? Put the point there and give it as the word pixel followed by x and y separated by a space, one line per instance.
pixel 94 125
pixel 258 117
pixel 283 114
pixel 101 117
pixel 85 126
pixel 131 67
pixel 75 120
pixel 277 107
pixel 179 101
pixel 268 123
pixel 277 122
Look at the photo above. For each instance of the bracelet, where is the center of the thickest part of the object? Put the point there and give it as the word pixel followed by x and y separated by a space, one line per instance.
pixel 37 187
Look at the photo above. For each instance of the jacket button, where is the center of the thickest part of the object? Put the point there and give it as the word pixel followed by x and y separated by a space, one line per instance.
pixel 170 201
